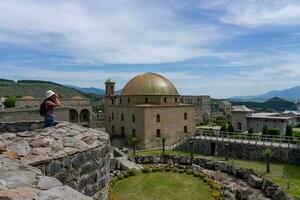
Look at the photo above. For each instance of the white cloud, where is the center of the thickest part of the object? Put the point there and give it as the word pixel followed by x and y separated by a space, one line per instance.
pixel 117 31
pixel 255 13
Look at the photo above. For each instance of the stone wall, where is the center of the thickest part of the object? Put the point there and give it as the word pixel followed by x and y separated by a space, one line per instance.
pixel 245 151
pixel 77 156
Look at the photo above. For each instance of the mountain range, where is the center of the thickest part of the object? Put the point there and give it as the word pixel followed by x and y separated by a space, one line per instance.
pixel 291 94
pixel 92 90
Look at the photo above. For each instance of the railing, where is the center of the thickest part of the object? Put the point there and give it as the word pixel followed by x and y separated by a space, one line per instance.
pixel 257 139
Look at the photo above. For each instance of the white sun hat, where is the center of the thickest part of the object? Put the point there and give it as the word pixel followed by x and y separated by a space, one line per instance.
pixel 49 94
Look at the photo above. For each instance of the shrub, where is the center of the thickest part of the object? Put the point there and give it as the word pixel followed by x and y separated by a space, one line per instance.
pixel 147 169
pixel 168 169
pixel 121 176
pixel 9 102
pixel 273 131
pixel 197 174
pixel 230 128
pixel 289 131
pixel 189 171
pixel 250 131
pixel 265 130
pixel 181 171
pixel 133 172
pixel 216 194
pixel 175 169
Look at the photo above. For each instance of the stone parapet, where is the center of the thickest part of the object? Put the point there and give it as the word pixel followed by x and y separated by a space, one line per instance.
pixel 78 157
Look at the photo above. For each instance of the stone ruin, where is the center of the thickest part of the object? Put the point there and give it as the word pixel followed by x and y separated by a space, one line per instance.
pixel 64 162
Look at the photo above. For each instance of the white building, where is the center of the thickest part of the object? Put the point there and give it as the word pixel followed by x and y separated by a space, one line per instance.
pixel 244 119
pixel 1 103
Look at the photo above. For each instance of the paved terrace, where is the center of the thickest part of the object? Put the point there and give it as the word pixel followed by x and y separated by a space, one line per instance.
pixel 267 140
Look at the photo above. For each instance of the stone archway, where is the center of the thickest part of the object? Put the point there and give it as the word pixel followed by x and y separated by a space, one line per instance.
pixel 85 115
pixel 73 116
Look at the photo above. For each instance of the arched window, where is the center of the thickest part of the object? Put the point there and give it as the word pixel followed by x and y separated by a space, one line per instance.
pixel 112 101
pixel 128 100
pixel 157 132
pixel 185 129
pixel 185 116
pixel 122 117
pixel 120 100
pixel 133 118
pixel 73 116
pixel 112 116
pixel 85 115
pixel 158 118
pixel 239 126
pixel 122 131
pixel 113 129
pixel 133 133
pixel 146 100
pixel 165 99
pixel 109 119
pixel 175 100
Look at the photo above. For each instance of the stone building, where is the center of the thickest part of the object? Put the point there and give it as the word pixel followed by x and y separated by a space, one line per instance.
pixel 76 110
pixel 226 107
pixel 244 119
pixel 1 103
pixel 202 106
pixel 148 108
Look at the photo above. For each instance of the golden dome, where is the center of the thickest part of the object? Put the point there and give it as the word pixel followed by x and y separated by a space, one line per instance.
pixel 149 84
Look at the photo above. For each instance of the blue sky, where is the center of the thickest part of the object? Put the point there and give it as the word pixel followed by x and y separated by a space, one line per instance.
pixel 221 48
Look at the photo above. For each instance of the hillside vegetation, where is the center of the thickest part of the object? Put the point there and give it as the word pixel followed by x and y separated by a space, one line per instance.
pixel 36 89
pixel 274 104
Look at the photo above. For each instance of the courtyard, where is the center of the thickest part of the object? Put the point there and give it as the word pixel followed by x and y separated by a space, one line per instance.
pixel 162 185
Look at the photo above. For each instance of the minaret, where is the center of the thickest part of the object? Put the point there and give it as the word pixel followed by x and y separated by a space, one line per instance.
pixel 109 100
pixel 109 88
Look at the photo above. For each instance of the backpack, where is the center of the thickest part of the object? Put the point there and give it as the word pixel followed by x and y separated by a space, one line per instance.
pixel 42 109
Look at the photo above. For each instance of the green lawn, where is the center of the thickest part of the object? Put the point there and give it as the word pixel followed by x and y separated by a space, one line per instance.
pixel 162 186
pixel 280 173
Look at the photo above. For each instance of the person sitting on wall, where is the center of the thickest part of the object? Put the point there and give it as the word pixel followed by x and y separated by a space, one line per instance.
pixel 50 104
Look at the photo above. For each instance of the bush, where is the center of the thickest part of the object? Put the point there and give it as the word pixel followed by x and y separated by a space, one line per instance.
pixel 168 169
pixel 230 128
pixel 189 171
pixel 121 176
pixel 223 129
pixel 273 131
pixel 175 169
pixel 289 131
pixel 216 194
pixel 9 102
pixel 133 172
pixel 250 131
pixel 147 169
pixel 265 130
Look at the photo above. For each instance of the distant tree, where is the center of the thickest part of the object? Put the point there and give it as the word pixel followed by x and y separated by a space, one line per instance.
pixel 273 131
pixel 134 141
pixel 9 102
pixel 163 140
pixel 250 131
pixel 289 131
pixel 265 130
pixel 267 154
pixel 230 128
pixel 223 129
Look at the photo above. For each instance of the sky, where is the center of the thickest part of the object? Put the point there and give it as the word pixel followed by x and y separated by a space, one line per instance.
pixel 221 48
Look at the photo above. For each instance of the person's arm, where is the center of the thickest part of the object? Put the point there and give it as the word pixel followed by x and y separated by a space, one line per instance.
pixel 50 103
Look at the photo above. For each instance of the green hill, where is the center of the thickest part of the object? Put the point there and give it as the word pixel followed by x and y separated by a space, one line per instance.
pixel 36 89
pixel 274 104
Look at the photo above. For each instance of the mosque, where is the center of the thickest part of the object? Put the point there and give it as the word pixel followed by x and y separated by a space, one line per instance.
pixel 148 109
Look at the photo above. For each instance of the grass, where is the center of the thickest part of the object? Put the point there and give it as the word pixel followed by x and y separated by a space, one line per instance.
pixel 163 186
pixel 280 173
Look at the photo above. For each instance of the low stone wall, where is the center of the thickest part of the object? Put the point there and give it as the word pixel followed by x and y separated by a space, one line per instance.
pixel 244 151
pixel 20 126
pixel 268 188
pixel 77 156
